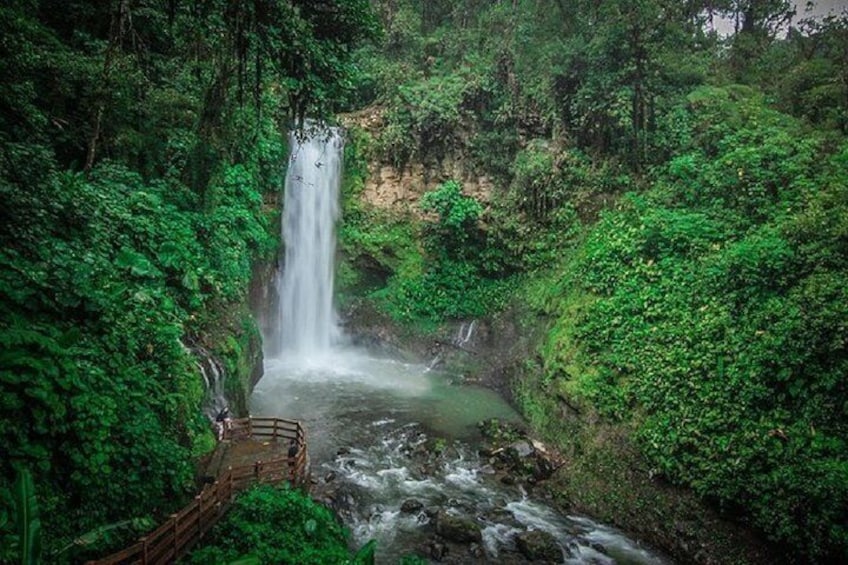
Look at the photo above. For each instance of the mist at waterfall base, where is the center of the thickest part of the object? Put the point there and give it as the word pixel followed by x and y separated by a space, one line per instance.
pixel 364 411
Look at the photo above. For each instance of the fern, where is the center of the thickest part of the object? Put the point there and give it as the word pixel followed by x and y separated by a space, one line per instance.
pixel 26 519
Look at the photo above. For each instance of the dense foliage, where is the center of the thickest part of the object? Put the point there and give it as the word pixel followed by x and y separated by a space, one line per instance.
pixel 711 310
pixel 277 525
pixel 139 145
pixel 673 199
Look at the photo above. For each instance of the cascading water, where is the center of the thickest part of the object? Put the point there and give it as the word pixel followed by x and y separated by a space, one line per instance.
pixel 307 321
pixel 213 379
pixel 465 333
pixel 367 416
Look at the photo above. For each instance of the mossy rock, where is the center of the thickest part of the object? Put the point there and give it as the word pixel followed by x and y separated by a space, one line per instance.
pixel 457 528
pixel 536 545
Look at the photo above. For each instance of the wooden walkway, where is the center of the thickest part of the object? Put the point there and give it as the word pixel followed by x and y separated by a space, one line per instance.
pixel 243 452
pixel 254 450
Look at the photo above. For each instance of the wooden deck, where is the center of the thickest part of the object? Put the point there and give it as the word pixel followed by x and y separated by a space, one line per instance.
pixel 254 450
pixel 239 453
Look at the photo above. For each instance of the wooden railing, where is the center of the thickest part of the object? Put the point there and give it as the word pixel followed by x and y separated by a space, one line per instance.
pixel 182 530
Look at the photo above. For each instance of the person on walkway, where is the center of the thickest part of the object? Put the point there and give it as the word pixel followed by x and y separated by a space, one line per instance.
pixel 293 450
pixel 222 422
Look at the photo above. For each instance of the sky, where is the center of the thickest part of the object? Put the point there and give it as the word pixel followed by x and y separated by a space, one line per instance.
pixel 821 8
pixel 818 9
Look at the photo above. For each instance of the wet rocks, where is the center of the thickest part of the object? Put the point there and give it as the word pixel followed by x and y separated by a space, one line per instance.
pixel 450 525
pixel 521 449
pixel 537 545
pixel 508 480
pixel 514 456
pixel 411 506
pixel 457 528
pixel 437 550
pixel 337 497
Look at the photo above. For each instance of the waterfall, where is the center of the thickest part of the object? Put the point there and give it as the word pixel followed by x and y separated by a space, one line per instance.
pixel 213 378
pixel 464 334
pixel 307 320
pixel 213 374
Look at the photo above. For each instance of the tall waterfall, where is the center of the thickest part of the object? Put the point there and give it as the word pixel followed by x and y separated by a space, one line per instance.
pixel 307 319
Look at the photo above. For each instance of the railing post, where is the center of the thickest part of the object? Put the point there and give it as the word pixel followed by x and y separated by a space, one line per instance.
pixel 199 499
pixel 249 426
pixel 174 534
pixel 144 550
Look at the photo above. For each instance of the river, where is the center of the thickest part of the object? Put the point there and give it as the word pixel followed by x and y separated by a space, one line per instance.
pixel 363 413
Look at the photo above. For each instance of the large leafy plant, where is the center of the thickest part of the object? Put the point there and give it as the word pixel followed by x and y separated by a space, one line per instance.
pixel 278 525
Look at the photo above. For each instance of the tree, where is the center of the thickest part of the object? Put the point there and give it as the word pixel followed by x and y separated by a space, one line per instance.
pixel 757 23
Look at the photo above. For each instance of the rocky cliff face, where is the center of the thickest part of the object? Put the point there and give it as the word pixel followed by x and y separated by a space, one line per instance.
pixel 400 189
pixel 391 188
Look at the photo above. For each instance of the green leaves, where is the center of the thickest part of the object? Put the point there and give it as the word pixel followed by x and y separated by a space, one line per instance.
pixel 246 560
pixel 98 396
pixel 458 215
pixel 697 313
pixel 366 554
pixel 277 525
pixel 137 263
pixel 26 519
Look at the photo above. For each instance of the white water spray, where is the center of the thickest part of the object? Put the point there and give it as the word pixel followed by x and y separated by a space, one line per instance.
pixel 307 319
pixel 464 334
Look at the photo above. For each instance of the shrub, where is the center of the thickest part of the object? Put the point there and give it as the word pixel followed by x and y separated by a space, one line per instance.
pixel 278 525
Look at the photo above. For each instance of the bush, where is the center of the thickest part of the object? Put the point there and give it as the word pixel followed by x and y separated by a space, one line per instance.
pixel 704 314
pixel 279 526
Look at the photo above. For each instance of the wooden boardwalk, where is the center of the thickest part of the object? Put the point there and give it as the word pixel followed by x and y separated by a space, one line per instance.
pixel 254 450
pixel 238 453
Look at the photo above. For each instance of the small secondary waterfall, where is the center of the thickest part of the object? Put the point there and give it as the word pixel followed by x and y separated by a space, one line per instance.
pixel 307 320
pixel 213 378
pixel 212 373
pixel 464 334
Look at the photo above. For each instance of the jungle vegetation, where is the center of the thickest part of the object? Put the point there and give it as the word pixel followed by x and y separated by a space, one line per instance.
pixel 139 143
pixel 671 200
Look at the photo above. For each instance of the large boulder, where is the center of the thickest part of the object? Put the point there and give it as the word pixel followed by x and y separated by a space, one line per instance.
pixel 536 545
pixel 457 528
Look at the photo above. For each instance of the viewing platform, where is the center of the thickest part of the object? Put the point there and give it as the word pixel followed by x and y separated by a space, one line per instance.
pixel 253 451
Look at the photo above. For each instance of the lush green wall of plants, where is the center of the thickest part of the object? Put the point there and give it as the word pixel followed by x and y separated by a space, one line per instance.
pixel 673 200
pixel 709 310
pixel 139 145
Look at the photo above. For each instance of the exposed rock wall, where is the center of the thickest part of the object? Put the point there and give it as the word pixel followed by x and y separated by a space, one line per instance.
pixel 400 189
pixel 390 188
pixel 235 334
